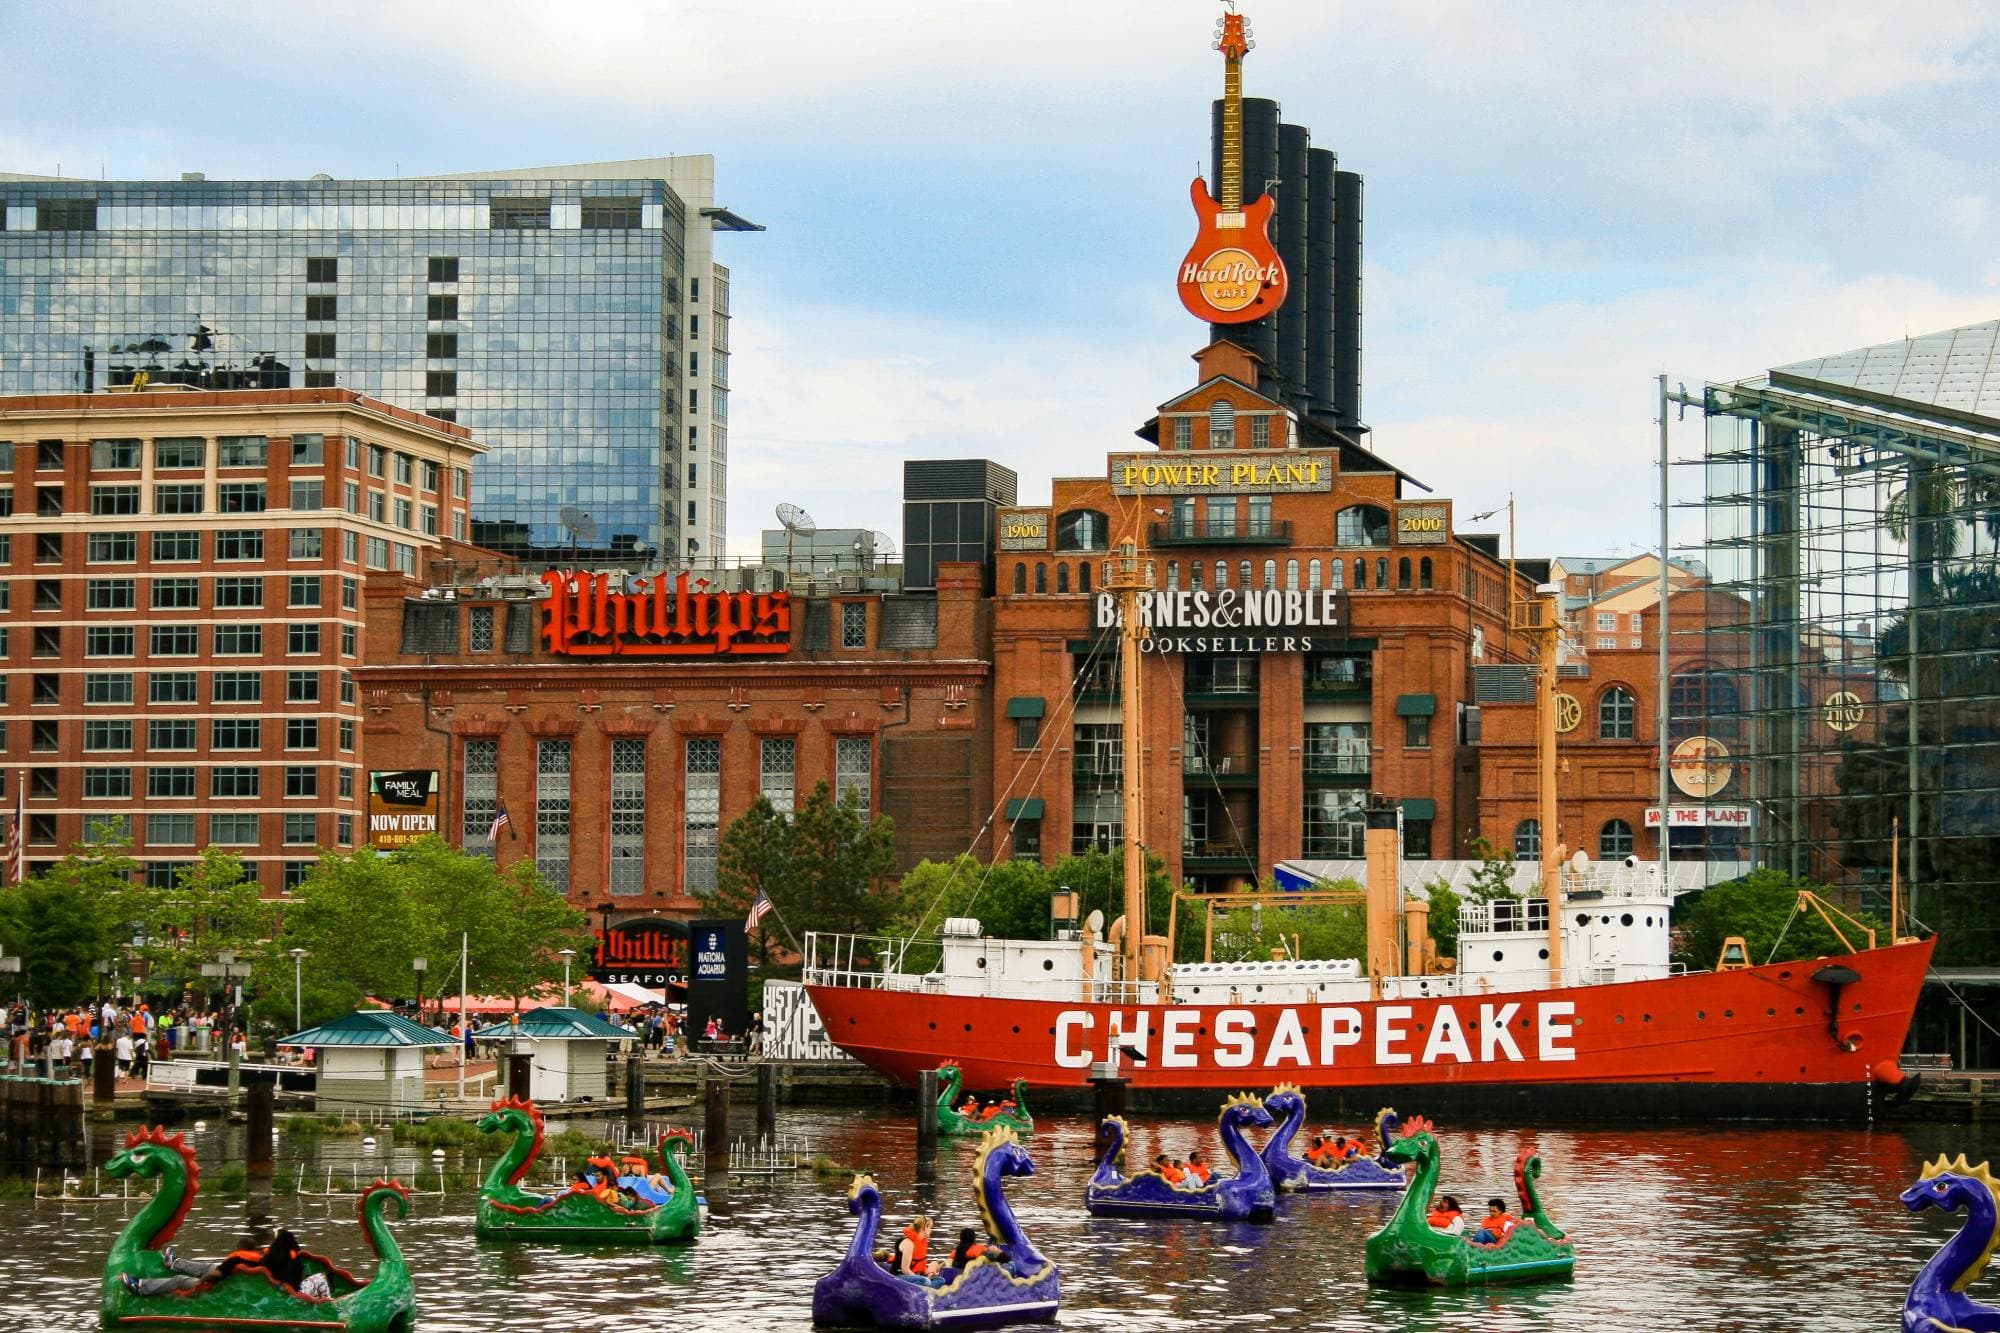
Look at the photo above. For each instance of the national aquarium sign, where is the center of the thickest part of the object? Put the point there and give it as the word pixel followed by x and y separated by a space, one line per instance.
pixel 1229 620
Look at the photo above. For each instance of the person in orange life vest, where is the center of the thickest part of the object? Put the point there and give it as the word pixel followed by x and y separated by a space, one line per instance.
pixel 1493 1228
pixel 1170 1173
pixel 1447 1216
pixel 1197 1167
pixel 969 1248
pixel 912 1260
pixel 969 1108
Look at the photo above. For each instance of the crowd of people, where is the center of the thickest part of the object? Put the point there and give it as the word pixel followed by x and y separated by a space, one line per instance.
pixel 68 1042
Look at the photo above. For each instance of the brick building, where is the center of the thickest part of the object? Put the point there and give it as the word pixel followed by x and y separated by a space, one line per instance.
pixel 182 613
pixel 623 720
pixel 1315 631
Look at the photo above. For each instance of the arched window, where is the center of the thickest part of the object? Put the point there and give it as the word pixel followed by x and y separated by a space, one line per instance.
pixel 1020 577
pixel 1403 573
pixel 1243 573
pixel 1361 525
pixel 1222 425
pixel 1062 576
pixel 1291 575
pixel 1270 574
pixel 1173 573
pixel 1222 573
pixel 1312 575
pixel 1703 702
pixel 1196 573
pixel 1041 578
pixel 1424 572
pixel 1360 573
pixel 1083 576
pixel 1617 715
pixel 1083 530
pixel 1528 840
pixel 1614 840
pixel 1381 571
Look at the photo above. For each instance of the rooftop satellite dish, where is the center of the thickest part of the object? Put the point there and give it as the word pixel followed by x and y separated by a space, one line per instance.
pixel 580 526
pixel 797 523
pixel 884 544
pixel 1580 860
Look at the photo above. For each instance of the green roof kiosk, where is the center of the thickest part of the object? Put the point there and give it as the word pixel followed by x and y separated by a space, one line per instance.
pixel 370 1058
pixel 569 1050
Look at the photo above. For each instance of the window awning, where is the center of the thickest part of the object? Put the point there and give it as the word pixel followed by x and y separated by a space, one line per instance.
pixel 1416 705
pixel 1034 707
pixel 1024 807
pixel 1418 807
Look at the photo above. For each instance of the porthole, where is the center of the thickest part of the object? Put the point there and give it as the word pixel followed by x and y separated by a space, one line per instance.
pixel 1645 1018
pixel 1542 954
pixel 1604 920
pixel 968 1027
pixel 982 962
pixel 1857 1006
pixel 1498 956
pixel 1625 920
pixel 1017 1029
pixel 1799 1013
pixel 1649 921
pixel 1048 965
pixel 1770 1013
pixel 1583 918
pixel 1702 1014
pixel 1786 976
pixel 1619 1019
pixel 934 1027
pixel 1729 1013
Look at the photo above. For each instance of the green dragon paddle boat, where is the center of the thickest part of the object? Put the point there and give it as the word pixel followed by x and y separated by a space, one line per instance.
pixel 1408 1251
pixel 248 1296
pixel 508 1212
pixel 1012 1114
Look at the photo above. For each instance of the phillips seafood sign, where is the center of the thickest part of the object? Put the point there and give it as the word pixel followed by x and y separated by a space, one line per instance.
pixel 614 615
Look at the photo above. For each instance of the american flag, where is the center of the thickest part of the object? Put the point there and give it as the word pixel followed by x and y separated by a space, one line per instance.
pixel 500 821
pixel 757 910
pixel 17 836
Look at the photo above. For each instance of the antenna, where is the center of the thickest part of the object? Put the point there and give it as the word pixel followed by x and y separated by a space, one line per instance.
pixel 797 523
pixel 580 526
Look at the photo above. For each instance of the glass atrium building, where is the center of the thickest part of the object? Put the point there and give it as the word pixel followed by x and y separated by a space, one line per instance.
pixel 1853 508
pixel 572 317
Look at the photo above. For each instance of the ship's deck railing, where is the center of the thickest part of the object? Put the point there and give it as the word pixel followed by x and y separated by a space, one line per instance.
pixel 876 962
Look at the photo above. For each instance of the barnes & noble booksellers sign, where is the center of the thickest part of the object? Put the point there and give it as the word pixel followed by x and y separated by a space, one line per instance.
pixel 1230 620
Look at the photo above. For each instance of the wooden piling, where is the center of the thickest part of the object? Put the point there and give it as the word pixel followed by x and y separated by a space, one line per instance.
pixel 927 1125
pixel 257 1149
pixel 767 1102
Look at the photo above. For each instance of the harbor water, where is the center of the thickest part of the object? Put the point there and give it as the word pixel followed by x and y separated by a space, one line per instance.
pixel 1722 1228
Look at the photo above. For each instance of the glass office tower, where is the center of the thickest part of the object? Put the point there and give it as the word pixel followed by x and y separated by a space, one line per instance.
pixel 558 312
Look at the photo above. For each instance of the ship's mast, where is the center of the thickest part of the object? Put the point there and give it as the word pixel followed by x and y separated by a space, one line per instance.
pixel 1128 579
pixel 1540 622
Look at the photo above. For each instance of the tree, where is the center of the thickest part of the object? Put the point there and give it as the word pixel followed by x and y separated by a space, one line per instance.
pixel 821 868
pixel 210 908
pixel 1303 930
pixel 1495 876
pixel 1762 907
pixel 1098 876
pixel 755 858
pixel 512 924
pixel 1445 905
pixel 1010 899
pixel 63 921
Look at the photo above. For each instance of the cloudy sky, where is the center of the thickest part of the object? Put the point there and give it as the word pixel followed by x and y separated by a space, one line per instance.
pixel 976 207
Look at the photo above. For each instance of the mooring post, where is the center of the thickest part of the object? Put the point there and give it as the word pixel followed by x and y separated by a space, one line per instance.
pixel 1107 1090
pixel 767 1102
pixel 257 1151
pixel 104 1076
pixel 635 1091
pixel 715 1133
pixel 235 1068
pixel 519 1074
pixel 927 1125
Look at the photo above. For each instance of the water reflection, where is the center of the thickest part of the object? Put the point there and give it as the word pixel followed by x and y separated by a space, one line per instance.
pixel 1731 1228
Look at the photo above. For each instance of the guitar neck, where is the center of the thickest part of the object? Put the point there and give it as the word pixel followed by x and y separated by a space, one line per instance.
pixel 1232 136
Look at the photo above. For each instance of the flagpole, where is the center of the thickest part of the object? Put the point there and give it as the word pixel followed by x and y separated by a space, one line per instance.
pixel 464 1019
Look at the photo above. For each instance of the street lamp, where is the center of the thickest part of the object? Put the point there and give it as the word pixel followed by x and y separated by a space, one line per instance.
pixel 102 967
pixel 566 955
pixel 298 991
pixel 418 966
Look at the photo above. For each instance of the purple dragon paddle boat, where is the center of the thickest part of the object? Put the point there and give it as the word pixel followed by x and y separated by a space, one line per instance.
pixel 1246 1196
pixel 1937 1302
pixel 1019 1286
pixel 1292 1172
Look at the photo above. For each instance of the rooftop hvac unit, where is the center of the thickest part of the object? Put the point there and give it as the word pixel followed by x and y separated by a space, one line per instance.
pixel 765 579
pixel 850 582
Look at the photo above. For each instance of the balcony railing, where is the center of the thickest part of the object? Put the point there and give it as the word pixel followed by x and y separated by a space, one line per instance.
pixel 1338 759
pixel 1335 680
pixel 1222 682
pixel 1227 532
pixel 1238 853
pixel 1097 768
pixel 1220 765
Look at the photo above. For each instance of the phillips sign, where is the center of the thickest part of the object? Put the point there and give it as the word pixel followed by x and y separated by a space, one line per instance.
pixel 614 615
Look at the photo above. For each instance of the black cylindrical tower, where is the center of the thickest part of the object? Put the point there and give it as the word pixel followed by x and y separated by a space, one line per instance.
pixel 1260 164
pixel 1347 297
pixel 1321 168
pixel 1289 230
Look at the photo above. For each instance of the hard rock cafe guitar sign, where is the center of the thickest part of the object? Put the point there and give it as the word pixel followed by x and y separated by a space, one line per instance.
pixel 1232 273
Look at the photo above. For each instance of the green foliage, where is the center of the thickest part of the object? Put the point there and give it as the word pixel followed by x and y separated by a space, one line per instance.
pixel 821 868
pixel 1010 898
pixel 362 918
pixel 65 919
pixel 1318 930
pixel 1445 905
pixel 1098 876
pixel 1495 876
pixel 211 908
pixel 1762 908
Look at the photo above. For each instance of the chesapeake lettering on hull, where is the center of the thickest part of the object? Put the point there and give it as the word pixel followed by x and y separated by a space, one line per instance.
pixel 1462 1032
pixel 613 615
pixel 1280 471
